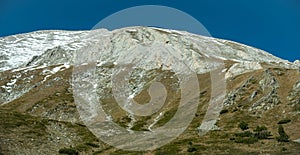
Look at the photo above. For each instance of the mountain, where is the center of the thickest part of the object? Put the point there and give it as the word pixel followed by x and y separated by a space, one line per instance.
pixel 54 83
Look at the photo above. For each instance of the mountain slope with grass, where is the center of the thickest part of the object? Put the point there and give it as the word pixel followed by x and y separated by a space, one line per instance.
pixel 38 113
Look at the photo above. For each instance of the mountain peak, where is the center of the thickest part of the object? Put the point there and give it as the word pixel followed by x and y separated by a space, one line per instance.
pixel 33 48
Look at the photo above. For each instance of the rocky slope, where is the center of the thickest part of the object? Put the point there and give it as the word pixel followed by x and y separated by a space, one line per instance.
pixel 39 71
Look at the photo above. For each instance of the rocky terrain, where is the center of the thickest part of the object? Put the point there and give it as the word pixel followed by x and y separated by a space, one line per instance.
pixel 245 94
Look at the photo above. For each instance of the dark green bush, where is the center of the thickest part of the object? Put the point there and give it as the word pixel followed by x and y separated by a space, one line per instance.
pixel 262 134
pixel 283 137
pixel 92 144
pixel 69 151
pixel 284 121
pixel 284 149
pixel 244 134
pixel 192 149
pixel 223 111
pixel 243 125
pixel 260 128
pixel 247 140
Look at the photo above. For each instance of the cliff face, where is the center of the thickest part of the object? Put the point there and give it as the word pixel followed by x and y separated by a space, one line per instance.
pixel 43 75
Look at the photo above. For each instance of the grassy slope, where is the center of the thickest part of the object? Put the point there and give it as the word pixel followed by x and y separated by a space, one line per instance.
pixel 25 124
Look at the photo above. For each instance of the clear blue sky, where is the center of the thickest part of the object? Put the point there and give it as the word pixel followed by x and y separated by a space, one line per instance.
pixel 271 25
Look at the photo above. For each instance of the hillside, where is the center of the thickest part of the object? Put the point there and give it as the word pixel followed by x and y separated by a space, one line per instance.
pixel 49 80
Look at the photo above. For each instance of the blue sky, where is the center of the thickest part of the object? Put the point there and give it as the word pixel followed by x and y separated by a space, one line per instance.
pixel 271 25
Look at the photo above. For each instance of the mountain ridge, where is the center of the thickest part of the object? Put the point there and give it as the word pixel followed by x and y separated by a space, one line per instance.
pixel 22 48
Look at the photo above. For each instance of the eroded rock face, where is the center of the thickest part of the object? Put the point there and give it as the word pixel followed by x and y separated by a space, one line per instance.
pixel 56 55
pixel 268 85
pixel 263 91
pixel 294 97
pixel 237 95
pixel 260 92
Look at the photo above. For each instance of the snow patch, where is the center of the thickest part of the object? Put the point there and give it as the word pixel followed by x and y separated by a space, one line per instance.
pixel 21 48
pixel 60 68
pixel 241 68
pixel 45 78
pixel 49 73
pixel 156 119
pixel 29 68
pixel 12 82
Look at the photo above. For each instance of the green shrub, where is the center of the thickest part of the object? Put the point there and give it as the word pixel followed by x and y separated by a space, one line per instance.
pixel 247 140
pixel 262 134
pixel 283 137
pixel 192 149
pixel 284 149
pixel 284 121
pixel 260 128
pixel 92 144
pixel 243 125
pixel 223 111
pixel 69 151
pixel 244 134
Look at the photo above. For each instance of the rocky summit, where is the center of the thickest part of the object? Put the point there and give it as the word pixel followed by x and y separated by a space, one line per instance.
pixel 54 83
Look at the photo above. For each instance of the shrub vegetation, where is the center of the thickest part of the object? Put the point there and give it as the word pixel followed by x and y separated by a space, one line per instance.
pixel 283 137
pixel 243 125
